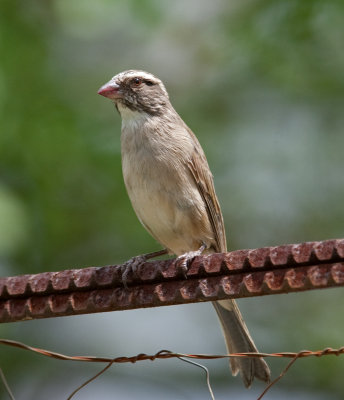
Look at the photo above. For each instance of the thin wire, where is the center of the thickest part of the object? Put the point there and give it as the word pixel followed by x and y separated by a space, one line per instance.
pixel 279 376
pixel 91 379
pixel 163 354
pixel 3 378
pixel 205 369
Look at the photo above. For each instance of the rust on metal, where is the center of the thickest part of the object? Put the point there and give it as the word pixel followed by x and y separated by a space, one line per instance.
pixel 241 273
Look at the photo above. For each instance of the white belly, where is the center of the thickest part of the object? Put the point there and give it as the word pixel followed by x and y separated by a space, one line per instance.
pixel 169 206
pixel 161 189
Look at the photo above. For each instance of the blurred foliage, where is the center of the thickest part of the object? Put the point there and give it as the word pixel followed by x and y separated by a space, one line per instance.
pixel 260 82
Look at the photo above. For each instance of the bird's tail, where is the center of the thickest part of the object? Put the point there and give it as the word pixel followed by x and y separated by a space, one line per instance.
pixel 238 340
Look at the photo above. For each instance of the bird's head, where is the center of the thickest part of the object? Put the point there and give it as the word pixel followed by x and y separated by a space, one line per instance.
pixel 136 91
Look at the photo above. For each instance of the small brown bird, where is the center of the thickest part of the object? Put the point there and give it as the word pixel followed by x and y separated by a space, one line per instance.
pixel 172 192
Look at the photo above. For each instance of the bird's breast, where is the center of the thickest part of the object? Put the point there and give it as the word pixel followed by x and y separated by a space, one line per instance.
pixel 163 194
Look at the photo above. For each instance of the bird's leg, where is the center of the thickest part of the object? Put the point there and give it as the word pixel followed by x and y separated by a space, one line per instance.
pixel 134 262
pixel 185 259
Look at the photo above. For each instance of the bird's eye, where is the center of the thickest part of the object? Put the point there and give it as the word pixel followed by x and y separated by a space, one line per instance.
pixel 149 83
pixel 137 81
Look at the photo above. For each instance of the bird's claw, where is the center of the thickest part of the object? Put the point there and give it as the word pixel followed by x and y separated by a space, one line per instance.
pixel 132 266
pixel 184 261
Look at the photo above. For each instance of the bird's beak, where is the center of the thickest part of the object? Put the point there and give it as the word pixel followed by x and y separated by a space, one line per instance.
pixel 110 90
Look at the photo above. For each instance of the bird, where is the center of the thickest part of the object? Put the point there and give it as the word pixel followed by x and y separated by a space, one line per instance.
pixel 172 192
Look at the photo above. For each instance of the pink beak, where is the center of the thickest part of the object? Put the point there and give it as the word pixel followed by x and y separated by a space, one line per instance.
pixel 110 90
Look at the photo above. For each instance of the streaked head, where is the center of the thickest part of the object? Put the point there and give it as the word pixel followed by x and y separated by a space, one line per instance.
pixel 137 91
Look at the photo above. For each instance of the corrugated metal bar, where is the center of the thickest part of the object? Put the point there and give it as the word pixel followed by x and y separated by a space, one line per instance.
pixel 241 273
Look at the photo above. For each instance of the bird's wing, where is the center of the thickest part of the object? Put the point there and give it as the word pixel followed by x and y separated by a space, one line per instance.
pixel 204 180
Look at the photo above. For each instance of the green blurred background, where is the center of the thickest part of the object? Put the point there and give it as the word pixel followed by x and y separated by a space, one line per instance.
pixel 261 83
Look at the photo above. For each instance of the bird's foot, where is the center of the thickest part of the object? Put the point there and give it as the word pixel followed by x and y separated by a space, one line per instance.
pixel 184 261
pixel 133 264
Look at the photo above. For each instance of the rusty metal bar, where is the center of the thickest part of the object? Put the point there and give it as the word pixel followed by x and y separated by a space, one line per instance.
pixel 241 273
